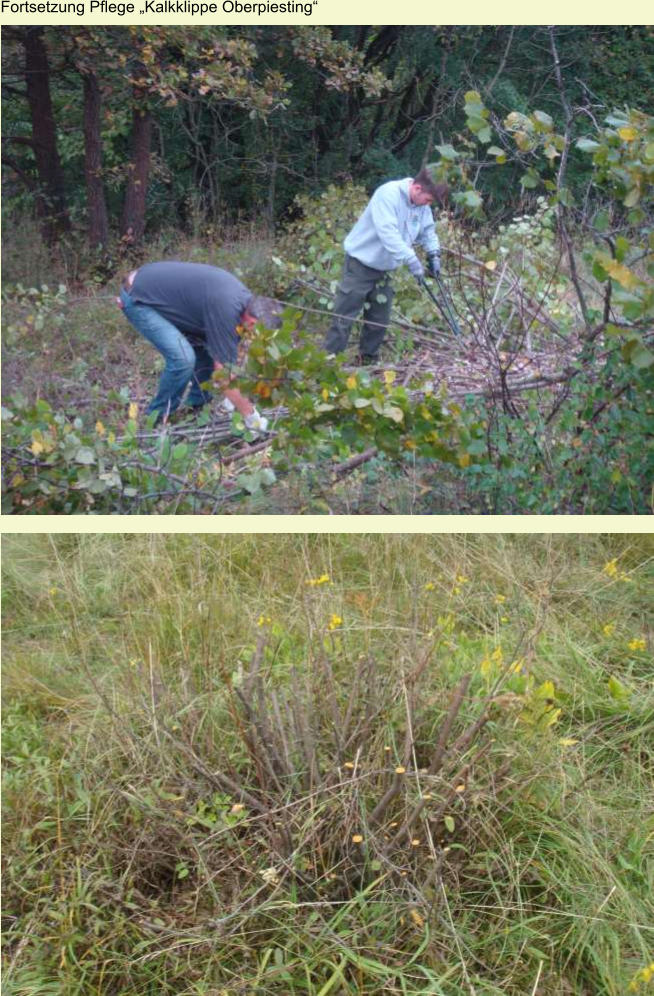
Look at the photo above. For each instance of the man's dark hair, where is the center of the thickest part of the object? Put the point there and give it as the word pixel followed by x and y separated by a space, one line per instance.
pixel 439 191
pixel 266 310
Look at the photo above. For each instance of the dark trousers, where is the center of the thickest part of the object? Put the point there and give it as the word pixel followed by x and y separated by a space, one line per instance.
pixel 360 287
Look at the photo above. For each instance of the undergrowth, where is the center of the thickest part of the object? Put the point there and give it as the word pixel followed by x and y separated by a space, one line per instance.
pixel 346 764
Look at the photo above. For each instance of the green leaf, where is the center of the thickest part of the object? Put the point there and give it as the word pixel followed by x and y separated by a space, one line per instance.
pixel 472 199
pixel 362 402
pixel 394 413
pixel 601 221
pixel 449 823
pixel 587 145
pixel 180 451
pixel 617 690
pixel 543 119
pixel 85 455
pixel 447 152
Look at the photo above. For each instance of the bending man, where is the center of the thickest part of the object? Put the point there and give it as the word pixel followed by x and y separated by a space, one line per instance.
pixel 397 216
pixel 190 312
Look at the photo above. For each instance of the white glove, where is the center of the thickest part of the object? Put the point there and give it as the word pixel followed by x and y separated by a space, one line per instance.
pixel 416 268
pixel 227 405
pixel 256 421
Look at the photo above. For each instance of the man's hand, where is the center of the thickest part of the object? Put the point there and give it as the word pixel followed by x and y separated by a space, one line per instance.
pixel 433 264
pixel 416 268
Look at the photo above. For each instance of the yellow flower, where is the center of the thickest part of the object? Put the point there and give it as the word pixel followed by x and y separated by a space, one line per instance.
pixel 53 591
pixel 356 838
pixel 133 410
pixel 608 629
pixel 323 579
pixel 462 579
pixel 334 622
pixel 430 586
pixel 400 770
pixel 264 621
pixel 611 568
pixel 99 428
pixel 504 619
pixel 497 655
pixel 636 644
pixel 500 599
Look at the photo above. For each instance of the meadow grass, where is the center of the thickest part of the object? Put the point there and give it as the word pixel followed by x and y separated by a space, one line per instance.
pixel 430 773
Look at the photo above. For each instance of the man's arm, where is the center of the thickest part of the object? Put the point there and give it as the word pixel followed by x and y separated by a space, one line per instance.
pixel 240 402
pixel 383 211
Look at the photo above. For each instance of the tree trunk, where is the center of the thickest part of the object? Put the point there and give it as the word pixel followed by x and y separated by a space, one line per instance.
pixel 96 207
pixel 133 225
pixel 50 199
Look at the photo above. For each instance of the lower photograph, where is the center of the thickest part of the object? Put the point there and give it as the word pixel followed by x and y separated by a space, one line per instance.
pixel 327 764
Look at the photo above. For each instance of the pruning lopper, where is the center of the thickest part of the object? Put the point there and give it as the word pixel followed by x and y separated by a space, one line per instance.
pixel 444 305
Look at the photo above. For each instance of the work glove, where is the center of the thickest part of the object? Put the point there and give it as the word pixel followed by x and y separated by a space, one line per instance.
pixel 227 405
pixel 416 268
pixel 255 421
pixel 433 264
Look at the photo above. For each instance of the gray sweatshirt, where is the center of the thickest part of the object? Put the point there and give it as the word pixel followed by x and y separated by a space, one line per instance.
pixel 384 235
pixel 204 302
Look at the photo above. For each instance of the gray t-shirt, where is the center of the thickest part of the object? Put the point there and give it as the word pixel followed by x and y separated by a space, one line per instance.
pixel 204 302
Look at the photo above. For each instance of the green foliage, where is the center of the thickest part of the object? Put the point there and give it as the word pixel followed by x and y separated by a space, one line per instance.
pixel 592 458
pixel 60 465
pixel 333 413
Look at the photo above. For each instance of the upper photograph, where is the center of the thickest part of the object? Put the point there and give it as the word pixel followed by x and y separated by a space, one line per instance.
pixel 327 270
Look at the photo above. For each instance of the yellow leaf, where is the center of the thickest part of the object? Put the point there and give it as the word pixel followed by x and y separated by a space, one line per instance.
pixel 552 717
pixel 389 377
pixel 325 394
pixel 351 382
pixel 464 460
pixel 546 690
pixel 133 410
pixel 490 264
pixel 627 134
pixel 417 918
pixel 621 273
pixel 37 447
pixel 99 428
pixel 356 838
pixel 568 741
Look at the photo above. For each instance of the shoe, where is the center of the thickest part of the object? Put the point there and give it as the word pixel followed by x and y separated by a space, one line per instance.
pixel 365 361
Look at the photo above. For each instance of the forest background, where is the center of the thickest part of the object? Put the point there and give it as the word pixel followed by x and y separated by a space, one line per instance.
pixel 254 149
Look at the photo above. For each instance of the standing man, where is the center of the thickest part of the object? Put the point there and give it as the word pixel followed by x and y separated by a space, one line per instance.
pixel 397 215
pixel 191 313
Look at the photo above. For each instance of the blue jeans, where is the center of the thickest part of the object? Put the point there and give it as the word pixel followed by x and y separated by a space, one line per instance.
pixel 184 362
